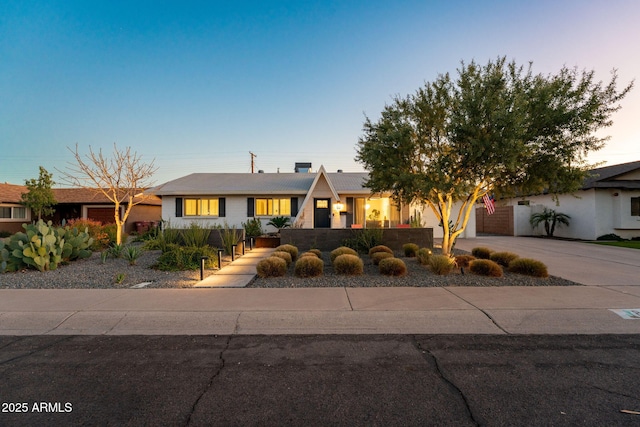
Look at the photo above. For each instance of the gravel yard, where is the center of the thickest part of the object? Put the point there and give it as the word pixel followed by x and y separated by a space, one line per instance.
pixel 91 273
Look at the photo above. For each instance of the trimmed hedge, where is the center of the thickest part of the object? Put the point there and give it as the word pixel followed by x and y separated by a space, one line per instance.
pixel 392 267
pixel 309 266
pixel 503 258
pixel 481 252
pixel 271 267
pixel 380 248
pixel 485 267
pixel 342 250
pixel 379 256
pixel 529 267
pixel 410 249
pixel 348 264
pixel 292 250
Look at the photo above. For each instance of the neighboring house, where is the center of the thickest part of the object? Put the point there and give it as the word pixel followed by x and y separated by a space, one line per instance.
pixel 72 203
pixel 609 202
pixel 12 213
pixel 311 200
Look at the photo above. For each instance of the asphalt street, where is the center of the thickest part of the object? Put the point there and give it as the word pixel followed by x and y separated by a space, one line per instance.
pixel 328 380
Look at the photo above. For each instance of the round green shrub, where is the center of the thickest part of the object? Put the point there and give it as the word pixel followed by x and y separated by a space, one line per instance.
pixel 410 249
pixel 485 267
pixel 308 253
pixel 529 267
pixel 271 267
pixel 342 250
pixel 441 264
pixel 481 252
pixel 380 248
pixel 503 258
pixel 293 251
pixel 286 256
pixel 348 264
pixel 376 257
pixel 462 261
pixel 423 255
pixel 309 266
pixel 392 267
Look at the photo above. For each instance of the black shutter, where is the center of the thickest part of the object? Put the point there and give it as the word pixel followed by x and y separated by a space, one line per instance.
pixel 250 207
pixel 222 207
pixel 294 206
pixel 178 207
pixel 349 211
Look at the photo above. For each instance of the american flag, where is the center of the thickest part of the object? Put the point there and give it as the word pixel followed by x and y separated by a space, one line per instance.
pixel 489 204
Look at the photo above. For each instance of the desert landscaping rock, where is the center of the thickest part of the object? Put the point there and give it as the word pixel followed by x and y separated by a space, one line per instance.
pixel 91 273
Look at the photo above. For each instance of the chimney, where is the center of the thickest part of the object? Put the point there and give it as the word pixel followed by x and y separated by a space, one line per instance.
pixel 302 167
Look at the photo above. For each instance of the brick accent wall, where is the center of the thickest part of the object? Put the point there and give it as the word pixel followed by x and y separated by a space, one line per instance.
pixel 327 239
pixel 501 222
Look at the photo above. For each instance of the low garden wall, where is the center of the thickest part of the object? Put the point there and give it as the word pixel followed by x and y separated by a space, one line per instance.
pixel 327 239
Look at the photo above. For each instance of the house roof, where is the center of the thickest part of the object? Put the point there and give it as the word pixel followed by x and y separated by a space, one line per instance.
pixel 10 193
pixel 623 176
pixel 257 183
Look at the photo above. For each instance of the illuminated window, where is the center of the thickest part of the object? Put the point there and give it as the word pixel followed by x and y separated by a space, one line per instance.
pixel 273 207
pixel 322 204
pixel 201 207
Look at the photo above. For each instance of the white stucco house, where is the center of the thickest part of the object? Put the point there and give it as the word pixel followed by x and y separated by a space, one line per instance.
pixel 608 203
pixel 312 200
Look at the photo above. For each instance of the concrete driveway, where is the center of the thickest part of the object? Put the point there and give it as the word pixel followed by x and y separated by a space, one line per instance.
pixel 586 263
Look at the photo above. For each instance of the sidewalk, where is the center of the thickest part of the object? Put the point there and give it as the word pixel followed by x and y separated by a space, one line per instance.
pixel 611 273
pixel 453 310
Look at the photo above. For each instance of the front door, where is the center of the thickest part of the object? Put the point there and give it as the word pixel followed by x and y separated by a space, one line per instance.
pixel 321 213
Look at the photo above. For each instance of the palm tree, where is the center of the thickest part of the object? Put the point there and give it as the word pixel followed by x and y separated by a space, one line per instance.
pixel 550 218
pixel 280 222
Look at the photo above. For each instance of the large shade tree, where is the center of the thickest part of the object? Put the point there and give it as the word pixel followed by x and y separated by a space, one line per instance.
pixel 120 178
pixel 497 128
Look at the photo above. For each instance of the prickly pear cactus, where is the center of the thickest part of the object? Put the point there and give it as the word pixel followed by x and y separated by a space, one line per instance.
pixel 43 247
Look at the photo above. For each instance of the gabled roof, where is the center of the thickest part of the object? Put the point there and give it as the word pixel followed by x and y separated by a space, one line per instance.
pixel 11 193
pixel 258 183
pixel 614 177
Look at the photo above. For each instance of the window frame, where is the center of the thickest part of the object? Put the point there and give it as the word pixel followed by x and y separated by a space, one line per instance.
pixel 272 206
pixel 198 203
pixel 635 206
pixel 13 209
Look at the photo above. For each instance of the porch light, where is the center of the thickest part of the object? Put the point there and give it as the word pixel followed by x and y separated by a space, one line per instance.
pixel 338 206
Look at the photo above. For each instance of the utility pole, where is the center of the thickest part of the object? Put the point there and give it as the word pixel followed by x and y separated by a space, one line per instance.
pixel 253 156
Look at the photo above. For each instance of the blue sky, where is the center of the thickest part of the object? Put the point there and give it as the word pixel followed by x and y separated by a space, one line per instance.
pixel 196 85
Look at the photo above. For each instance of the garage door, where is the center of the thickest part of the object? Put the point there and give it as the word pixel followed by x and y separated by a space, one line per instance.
pixel 104 215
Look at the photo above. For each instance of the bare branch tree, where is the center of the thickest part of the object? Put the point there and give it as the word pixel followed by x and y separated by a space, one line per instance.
pixel 120 178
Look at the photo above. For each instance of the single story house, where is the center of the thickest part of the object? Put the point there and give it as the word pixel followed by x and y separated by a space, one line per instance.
pixel 608 203
pixel 73 203
pixel 312 200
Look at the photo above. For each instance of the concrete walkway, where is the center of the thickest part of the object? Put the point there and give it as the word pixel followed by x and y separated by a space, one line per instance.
pixel 611 273
pixel 238 273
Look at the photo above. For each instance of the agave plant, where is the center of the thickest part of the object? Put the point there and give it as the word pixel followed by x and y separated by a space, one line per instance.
pixel 550 218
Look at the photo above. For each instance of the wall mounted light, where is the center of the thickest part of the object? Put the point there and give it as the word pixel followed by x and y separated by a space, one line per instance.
pixel 338 206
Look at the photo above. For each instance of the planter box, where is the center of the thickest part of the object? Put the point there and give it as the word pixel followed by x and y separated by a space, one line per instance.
pixel 266 242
